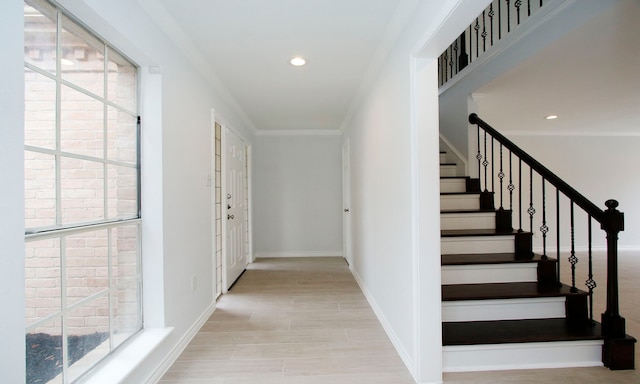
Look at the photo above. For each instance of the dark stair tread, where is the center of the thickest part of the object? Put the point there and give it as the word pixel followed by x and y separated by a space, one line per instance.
pixel 491 258
pixel 481 210
pixel 455 177
pixel 477 232
pixel 459 193
pixel 496 291
pixel 448 164
pixel 518 331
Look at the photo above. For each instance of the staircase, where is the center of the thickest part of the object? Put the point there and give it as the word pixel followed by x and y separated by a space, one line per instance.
pixel 502 306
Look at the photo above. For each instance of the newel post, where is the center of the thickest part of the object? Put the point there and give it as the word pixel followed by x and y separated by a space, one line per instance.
pixel 618 350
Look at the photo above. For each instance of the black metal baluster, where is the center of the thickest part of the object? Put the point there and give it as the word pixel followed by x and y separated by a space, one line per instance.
pixel 491 14
pixel 508 16
pixel 531 211
pixel 451 63
pixel 485 162
pixel 528 8
pixel 518 3
pixel 444 65
pixel 501 177
pixel 499 20
pixel 484 33
pixel 519 195
pixel 590 283
pixel 573 260
pixel 493 172
pixel 455 57
pixel 470 46
pixel 544 228
pixel 511 187
pixel 558 233
pixel 479 157
pixel 477 29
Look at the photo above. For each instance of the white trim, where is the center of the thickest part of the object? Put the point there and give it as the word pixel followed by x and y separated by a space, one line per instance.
pixel 299 254
pixel 404 354
pixel 299 132
pixel 180 346
pixel 121 363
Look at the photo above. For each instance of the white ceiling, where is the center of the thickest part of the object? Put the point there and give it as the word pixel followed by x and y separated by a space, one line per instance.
pixel 248 44
pixel 589 78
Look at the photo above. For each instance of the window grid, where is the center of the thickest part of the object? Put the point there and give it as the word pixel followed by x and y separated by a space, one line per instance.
pixel 113 239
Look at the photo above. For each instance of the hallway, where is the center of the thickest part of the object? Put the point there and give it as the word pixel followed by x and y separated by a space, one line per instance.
pixel 291 320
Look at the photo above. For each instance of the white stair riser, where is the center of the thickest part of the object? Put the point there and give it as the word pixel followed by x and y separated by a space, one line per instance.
pixel 477 244
pixel 490 273
pixel 557 354
pixel 476 220
pixel 448 170
pixel 453 185
pixel 443 158
pixel 507 309
pixel 459 202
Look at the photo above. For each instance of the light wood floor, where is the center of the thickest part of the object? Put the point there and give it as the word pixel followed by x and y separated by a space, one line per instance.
pixel 291 320
pixel 305 321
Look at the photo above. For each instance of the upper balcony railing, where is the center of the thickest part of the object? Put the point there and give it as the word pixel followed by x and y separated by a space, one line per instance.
pixel 499 19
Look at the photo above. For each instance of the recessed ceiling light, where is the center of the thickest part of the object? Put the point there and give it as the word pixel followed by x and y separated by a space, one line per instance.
pixel 551 117
pixel 298 61
pixel 66 62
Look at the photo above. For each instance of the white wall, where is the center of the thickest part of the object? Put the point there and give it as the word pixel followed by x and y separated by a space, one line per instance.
pixel 12 353
pixel 297 195
pixel 176 152
pixel 394 195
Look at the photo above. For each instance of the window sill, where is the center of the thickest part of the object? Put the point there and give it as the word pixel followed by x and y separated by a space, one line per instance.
pixel 124 360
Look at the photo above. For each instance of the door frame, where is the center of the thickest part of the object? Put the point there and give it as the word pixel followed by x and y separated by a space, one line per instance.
pixel 248 217
pixel 347 251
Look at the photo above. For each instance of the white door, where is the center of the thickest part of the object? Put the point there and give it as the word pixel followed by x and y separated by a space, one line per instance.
pixel 234 208
pixel 346 202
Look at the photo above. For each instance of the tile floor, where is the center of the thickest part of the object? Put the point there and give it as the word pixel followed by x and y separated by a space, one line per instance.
pixel 305 321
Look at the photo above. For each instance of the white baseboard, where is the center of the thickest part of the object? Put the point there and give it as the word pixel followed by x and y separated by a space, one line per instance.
pixel 404 355
pixel 173 355
pixel 299 254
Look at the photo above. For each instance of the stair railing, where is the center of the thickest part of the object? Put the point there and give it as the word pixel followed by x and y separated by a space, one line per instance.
pixel 498 20
pixel 495 157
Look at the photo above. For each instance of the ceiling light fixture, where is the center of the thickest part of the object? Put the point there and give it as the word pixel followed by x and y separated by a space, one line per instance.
pixel 551 117
pixel 298 61
pixel 66 62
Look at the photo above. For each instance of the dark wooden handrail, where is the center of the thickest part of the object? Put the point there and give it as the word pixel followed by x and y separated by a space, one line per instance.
pixel 611 222
pixel 549 176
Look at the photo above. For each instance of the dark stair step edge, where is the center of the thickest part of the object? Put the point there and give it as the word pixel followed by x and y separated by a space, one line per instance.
pixel 479 232
pixel 546 270
pixel 518 331
pixel 492 258
pixel 486 210
pixel 498 291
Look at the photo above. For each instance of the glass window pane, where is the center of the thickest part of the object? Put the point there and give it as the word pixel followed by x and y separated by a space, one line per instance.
pixel 87 265
pixel 39 189
pixel 40 35
pixel 81 123
pixel 124 253
pixel 122 136
pixel 44 353
pixel 39 110
pixel 82 190
pixel 122 190
pixel 87 336
pixel 127 315
pixel 82 61
pixel 122 82
pixel 42 279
